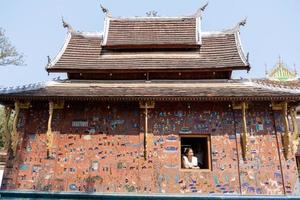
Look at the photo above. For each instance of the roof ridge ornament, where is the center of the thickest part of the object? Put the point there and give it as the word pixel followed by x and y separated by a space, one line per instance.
pixel 201 10
pixel 49 60
pixel 243 22
pixel 236 28
pixel 67 25
pixel 105 11
pixel 152 13
pixel 204 6
pixel 247 58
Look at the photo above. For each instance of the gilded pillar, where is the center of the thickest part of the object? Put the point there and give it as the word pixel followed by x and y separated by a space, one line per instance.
pixel 49 134
pixel 283 107
pixel 244 135
pixel 14 133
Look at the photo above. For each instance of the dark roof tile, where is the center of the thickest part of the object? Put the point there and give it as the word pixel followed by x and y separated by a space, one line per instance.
pixel 151 31
pixel 218 51
pixel 199 90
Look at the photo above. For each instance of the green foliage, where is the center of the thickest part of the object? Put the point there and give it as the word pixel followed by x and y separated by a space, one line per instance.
pixel 129 188
pixel 8 53
pixel 2 120
pixel 1 125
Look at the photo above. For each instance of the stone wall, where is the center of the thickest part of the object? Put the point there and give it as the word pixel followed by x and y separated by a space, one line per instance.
pixel 100 147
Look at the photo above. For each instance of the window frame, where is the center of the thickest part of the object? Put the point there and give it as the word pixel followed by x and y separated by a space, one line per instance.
pixel 297 159
pixel 208 137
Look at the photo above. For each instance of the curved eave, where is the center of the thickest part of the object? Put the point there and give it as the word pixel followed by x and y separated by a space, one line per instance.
pixel 49 66
pixel 240 49
pixel 290 98
pixel 236 31
pixel 141 70
pixel 60 53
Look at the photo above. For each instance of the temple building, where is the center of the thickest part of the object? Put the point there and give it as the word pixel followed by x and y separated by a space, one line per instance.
pixel 139 98
pixel 280 72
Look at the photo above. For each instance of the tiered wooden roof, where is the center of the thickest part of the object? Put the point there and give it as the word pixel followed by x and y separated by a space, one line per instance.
pixel 148 44
pixel 167 49
pixel 84 53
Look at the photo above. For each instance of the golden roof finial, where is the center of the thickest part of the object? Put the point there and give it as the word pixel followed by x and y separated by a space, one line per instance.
pixel 279 61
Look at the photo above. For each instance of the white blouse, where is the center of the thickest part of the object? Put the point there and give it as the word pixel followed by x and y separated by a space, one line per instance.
pixel 187 164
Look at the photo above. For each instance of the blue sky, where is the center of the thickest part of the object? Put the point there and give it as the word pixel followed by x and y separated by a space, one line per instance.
pixel 35 28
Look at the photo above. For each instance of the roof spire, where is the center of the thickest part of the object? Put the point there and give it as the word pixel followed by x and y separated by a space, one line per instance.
pixel 67 25
pixel 266 69
pixel 279 60
pixel 201 9
pixel 105 11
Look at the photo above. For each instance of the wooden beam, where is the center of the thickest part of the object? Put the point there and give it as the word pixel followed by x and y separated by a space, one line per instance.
pixel 14 135
pixel 287 134
pixel 283 107
pixel 146 105
pixel 295 135
pixel 50 136
pixel 244 136
pixel 6 133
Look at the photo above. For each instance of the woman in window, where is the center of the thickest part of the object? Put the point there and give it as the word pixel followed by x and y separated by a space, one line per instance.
pixel 189 160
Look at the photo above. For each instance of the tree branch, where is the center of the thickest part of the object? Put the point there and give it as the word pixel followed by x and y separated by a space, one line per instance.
pixel 8 53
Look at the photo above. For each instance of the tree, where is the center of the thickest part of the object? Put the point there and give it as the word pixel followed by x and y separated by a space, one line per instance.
pixel 2 124
pixel 8 53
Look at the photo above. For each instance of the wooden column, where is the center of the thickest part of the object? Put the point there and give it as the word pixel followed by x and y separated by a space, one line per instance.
pixel 295 136
pixel 244 136
pixel 14 133
pixel 283 106
pixel 146 105
pixel 6 133
pixel 50 136
pixel 278 150
pixel 49 130
pixel 237 150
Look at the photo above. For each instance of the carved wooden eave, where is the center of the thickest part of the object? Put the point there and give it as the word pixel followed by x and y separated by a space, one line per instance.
pixel 5 101
pixel 180 90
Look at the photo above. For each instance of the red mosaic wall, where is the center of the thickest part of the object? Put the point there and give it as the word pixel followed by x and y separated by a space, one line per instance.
pixel 260 172
pixel 100 147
